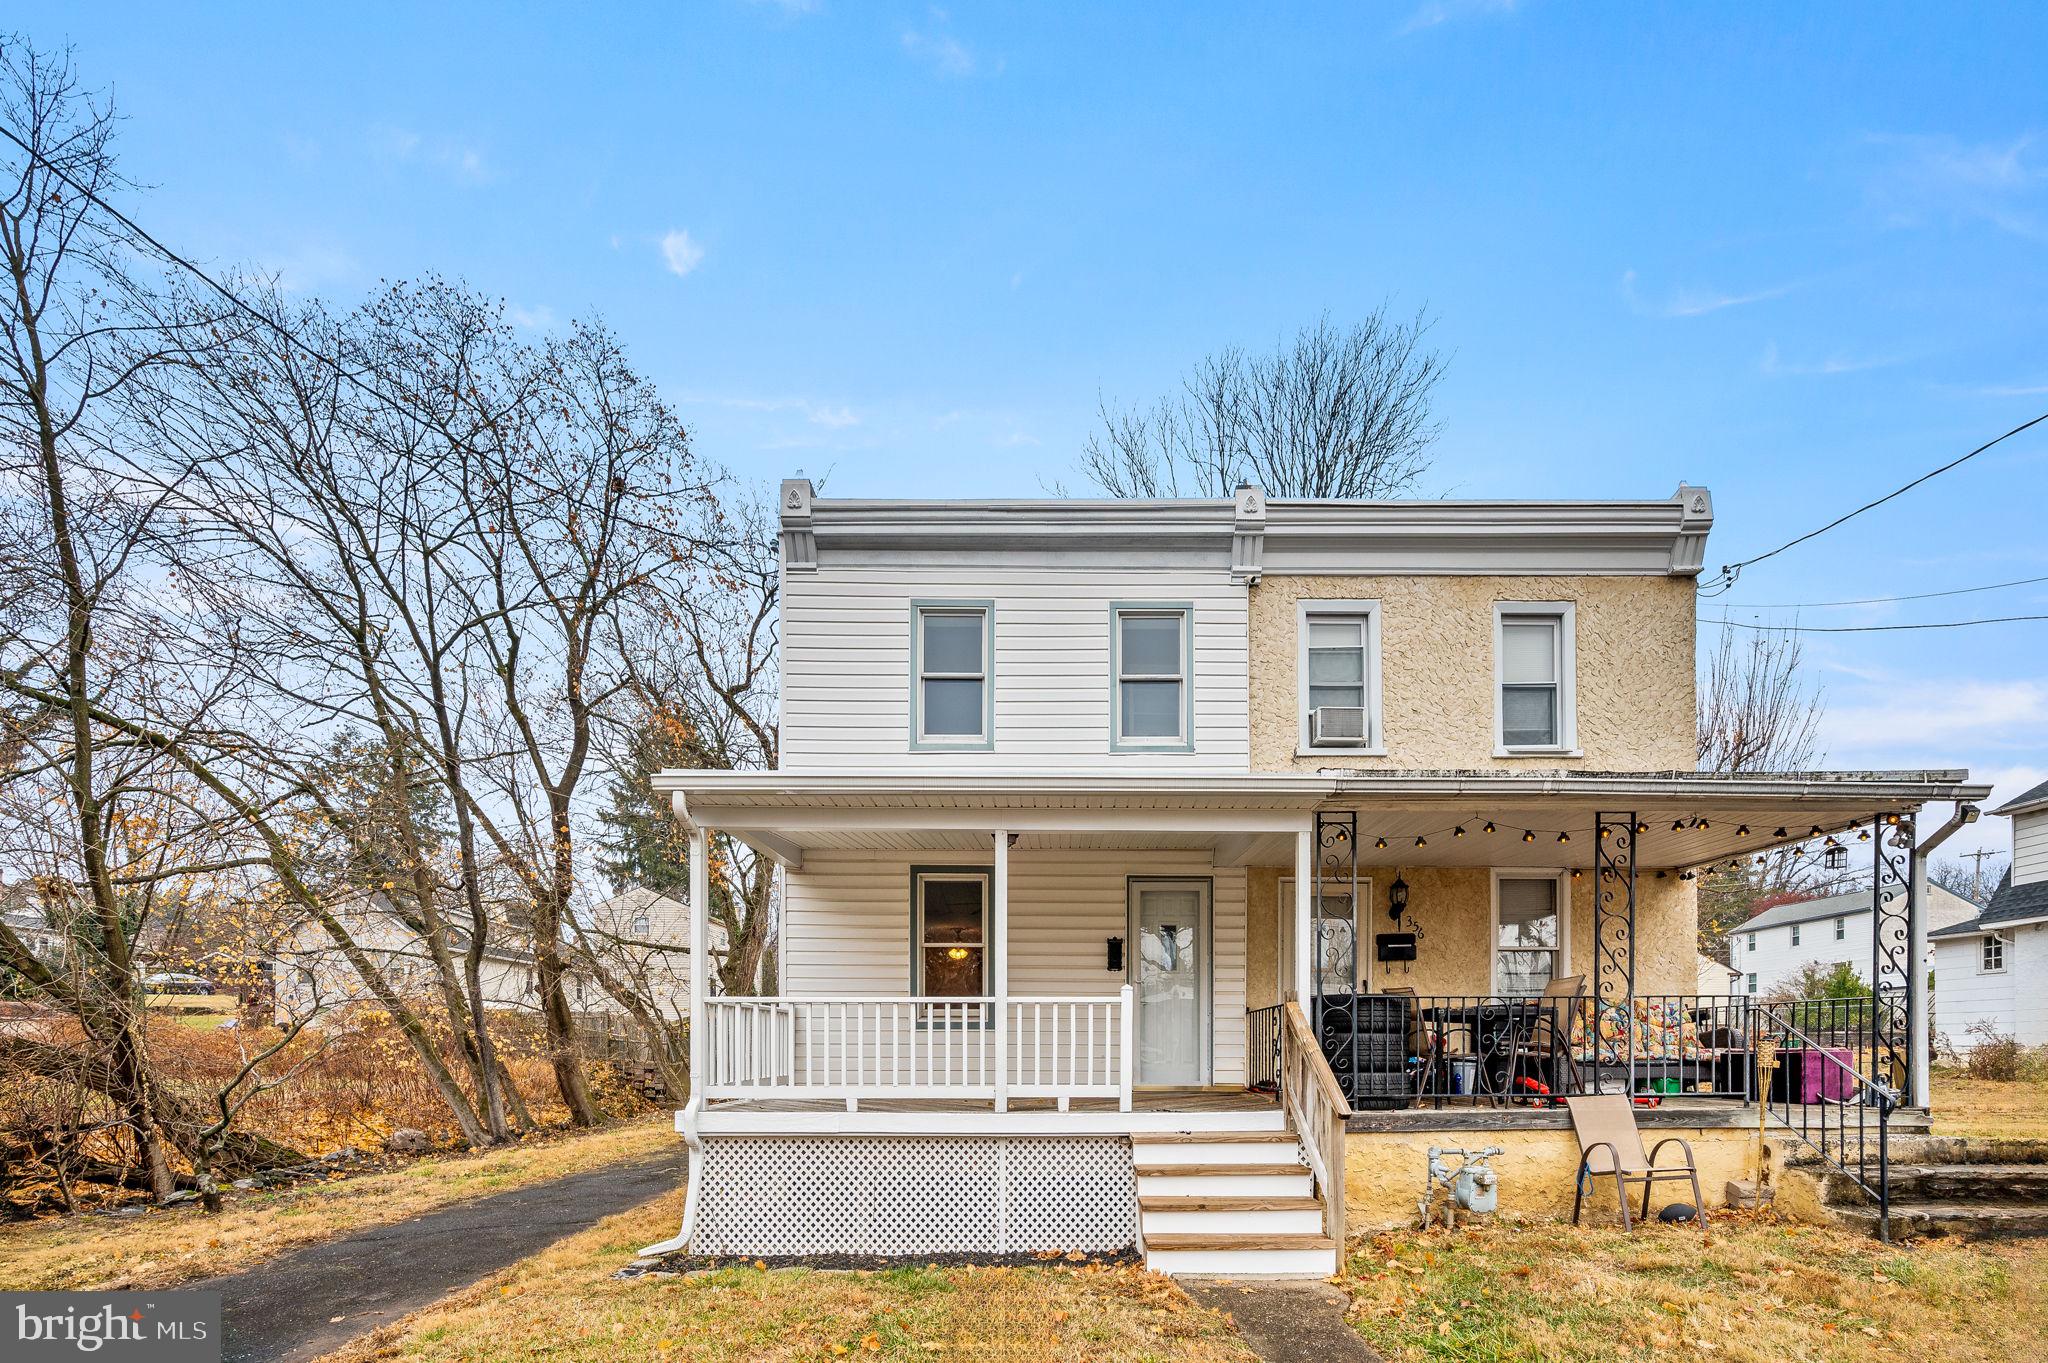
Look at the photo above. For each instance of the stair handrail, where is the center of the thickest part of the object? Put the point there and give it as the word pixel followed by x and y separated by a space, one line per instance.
pixel 1866 1092
pixel 1318 1110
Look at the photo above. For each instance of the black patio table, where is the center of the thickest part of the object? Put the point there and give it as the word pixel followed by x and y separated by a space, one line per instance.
pixel 1492 1023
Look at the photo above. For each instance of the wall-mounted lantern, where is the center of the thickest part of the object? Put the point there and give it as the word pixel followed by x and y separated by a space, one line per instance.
pixel 1115 963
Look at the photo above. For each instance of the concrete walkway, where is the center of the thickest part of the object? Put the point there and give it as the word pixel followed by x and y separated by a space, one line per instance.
pixel 316 1299
pixel 1286 1322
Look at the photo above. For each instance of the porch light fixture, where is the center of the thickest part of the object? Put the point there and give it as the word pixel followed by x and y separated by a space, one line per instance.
pixel 1575 873
pixel 1397 899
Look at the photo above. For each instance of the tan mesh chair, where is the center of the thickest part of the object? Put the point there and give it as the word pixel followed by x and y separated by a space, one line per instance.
pixel 1422 1070
pixel 1611 1145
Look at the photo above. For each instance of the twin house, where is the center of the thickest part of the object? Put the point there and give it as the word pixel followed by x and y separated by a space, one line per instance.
pixel 1989 968
pixel 1168 875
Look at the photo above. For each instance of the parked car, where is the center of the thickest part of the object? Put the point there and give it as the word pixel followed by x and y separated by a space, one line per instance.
pixel 172 982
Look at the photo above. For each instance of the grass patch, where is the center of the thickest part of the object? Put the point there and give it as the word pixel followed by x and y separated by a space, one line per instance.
pixel 1755 1291
pixel 563 1305
pixel 170 1245
pixel 1964 1106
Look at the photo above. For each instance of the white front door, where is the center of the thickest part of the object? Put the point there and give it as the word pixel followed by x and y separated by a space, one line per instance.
pixel 1170 925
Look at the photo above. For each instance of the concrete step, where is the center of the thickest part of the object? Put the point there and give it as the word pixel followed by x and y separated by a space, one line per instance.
pixel 2009 1183
pixel 1969 1220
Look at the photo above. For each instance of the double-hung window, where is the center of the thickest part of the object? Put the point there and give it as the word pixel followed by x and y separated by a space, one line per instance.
pixel 1841 929
pixel 1151 665
pixel 1529 933
pixel 949 929
pixel 1795 934
pixel 1339 669
pixel 1533 660
pixel 1992 961
pixel 952 659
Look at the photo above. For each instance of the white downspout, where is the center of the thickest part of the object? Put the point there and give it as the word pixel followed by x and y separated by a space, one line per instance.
pixel 1304 892
pixel 1919 1058
pixel 1000 977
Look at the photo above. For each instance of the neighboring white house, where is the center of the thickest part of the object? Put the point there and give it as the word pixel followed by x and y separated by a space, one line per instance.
pixel 1716 978
pixel 643 937
pixel 1992 969
pixel 1774 946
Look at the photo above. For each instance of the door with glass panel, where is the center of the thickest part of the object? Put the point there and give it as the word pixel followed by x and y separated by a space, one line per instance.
pixel 1170 978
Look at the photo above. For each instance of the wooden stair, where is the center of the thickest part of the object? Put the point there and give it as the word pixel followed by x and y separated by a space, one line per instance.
pixel 1231 1203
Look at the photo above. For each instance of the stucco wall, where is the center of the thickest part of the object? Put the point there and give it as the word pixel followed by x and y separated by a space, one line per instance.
pixel 1634 677
pixel 1454 909
pixel 1384 1173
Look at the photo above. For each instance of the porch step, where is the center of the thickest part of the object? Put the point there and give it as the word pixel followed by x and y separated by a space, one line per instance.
pixel 1259 1150
pixel 1944 1185
pixel 1305 1220
pixel 1275 1135
pixel 1230 1204
pixel 1242 1256
pixel 2024 1183
pixel 1209 1180
pixel 1966 1220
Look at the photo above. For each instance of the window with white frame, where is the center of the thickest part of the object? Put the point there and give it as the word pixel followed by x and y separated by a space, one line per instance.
pixel 1841 929
pixel 953 655
pixel 1529 933
pixel 1752 941
pixel 643 924
pixel 1151 661
pixel 1752 981
pixel 1795 934
pixel 1338 669
pixel 1533 663
pixel 1993 959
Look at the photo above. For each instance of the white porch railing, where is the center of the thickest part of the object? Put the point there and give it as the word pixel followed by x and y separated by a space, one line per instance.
pixel 919 1047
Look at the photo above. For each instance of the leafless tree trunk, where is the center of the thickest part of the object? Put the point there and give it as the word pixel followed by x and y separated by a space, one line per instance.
pixel 1331 413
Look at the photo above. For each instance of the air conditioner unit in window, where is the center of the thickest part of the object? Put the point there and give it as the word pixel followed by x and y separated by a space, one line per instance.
pixel 1337 726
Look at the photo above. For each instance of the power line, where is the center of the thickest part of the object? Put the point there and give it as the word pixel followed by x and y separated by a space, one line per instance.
pixel 1730 571
pixel 1878 600
pixel 1872 629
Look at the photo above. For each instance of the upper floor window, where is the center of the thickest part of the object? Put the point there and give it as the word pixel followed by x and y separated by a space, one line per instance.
pixel 1993 959
pixel 1841 929
pixel 1752 981
pixel 1533 657
pixel 1795 934
pixel 952 661
pixel 1339 674
pixel 1151 661
pixel 1752 941
pixel 642 925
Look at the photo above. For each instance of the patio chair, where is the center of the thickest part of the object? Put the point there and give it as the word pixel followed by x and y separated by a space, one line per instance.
pixel 1542 1032
pixel 1611 1145
pixel 1422 1049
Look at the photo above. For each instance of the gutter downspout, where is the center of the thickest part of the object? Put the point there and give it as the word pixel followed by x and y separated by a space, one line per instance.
pixel 1918 1049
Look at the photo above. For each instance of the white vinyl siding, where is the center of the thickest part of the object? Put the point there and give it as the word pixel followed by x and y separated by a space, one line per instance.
pixel 1991 954
pixel 846 702
pixel 846 926
pixel 2030 847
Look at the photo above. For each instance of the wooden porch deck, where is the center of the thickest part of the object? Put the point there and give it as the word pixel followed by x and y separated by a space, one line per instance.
pixel 1144 1100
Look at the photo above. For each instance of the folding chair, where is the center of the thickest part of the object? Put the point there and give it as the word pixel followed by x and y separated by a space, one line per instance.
pixel 1611 1144
pixel 1542 1032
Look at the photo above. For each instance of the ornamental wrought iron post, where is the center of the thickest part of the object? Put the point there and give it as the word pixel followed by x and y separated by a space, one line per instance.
pixel 1336 874
pixel 1614 933
pixel 1893 910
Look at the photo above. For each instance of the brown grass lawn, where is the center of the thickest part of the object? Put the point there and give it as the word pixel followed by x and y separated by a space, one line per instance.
pixel 168 1246
pixel 1757 1291
pixel 563 1305
pixel 1986 1107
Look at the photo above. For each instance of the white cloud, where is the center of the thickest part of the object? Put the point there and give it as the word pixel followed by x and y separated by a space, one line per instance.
pixel 936 46
pixel 1927 177
pixel 1435 12
pixel 538 318
pixel 681 254
pixel 1774 363
pixel 1696 302
pixel 791 9
pixel 834 418
pixel 310 266
pixel 1937 715
pixel 460 161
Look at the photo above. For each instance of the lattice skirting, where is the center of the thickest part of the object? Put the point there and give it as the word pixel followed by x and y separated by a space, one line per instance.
pixel 915 1195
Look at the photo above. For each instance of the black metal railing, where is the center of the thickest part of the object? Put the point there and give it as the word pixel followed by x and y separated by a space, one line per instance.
pixel 1828 1100
pixel 1444 1050
pixel 1262 1048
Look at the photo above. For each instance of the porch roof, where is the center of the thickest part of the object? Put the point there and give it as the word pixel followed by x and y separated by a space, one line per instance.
pixel 1692 818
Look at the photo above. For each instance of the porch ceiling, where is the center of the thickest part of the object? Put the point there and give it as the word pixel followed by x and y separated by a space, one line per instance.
pixel 1692 819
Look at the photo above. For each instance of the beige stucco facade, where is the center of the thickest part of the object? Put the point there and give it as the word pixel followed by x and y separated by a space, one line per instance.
pixel 1453 907
pixel 1634 677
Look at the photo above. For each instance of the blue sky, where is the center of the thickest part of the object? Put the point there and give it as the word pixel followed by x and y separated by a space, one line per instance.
pixel 1796 253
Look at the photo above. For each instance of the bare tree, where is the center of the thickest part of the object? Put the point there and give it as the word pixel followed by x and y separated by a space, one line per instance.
pixel 1330 413
pixel 1970 877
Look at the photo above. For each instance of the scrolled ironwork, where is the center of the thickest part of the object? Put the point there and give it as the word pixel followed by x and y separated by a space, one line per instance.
pixel 1336 874
pixel 1893 910
pixel 1614 924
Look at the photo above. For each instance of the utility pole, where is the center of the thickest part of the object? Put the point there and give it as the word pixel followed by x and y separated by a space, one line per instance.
pixel 1977 872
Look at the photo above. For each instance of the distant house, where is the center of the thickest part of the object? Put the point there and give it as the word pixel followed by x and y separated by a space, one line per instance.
pixel 1715 978
pixel 22 910
pixel 643 937
pixel 1991 970
pixel 1773 947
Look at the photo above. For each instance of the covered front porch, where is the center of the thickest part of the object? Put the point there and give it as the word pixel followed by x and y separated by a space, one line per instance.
pixel 1454 939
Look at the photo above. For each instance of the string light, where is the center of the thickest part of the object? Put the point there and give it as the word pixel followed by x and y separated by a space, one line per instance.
pixel 1528 836
pixel 1642 825
pixel 1863 835
pixel 1380 843
pixel 1422 842
pixel 1458 832
pixel 1564 838
pixel 1742 830
pixel 1701 824
pixel 1678 825
pixel 1489 827
pixel 1779 834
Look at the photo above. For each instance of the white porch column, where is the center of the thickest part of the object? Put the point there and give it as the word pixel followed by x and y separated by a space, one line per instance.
pixel 1304 898
pixel 700 954
pixel 999 973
